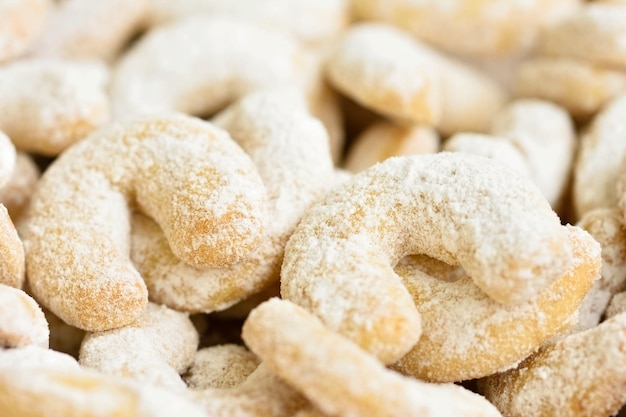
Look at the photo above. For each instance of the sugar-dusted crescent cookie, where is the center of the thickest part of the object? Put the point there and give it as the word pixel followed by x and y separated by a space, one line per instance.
pixel 21 22
pixel 545 135
pixel 607 227
pixel 386 70
pixel 155 349
pixel 476 28
pixel 187 174
pixel 341 379
pixel 22 322
pixel 290 150
pixel 494 147
pixel 186 66
pixel 63 101
pixel 45 392
pixel 221 366
pixel 79 29
pixel 15 194
pixel 467 335
pixel 385 139
pixel 461 209
pixel 581 87
pixel 12 265
pixel 580 375
pixel 601 151
pixel 36 357
pixel 7 159
pixel 595 33
pixel 311 21
pixel 262 394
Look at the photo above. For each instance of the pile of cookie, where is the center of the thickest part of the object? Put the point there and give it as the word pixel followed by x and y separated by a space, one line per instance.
pixel 302 208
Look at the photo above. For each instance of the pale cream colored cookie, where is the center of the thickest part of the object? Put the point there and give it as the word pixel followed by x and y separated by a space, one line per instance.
pixel 580 375
pixel 47 104
pixel 21 22
pixel 312 21
pixel 79 29
pixel 386 70
pixel 155 349
pixel 458 208
pixel 12 265
pixel 22 322
pixel 221 366
pixel 187 66
pixel 470 28
pixel 44 392
pixel 341 379
pixel 290 150
pixel 606 226
pixel 187 174
pixel 386 139
pixel 467 335
pixel 15 194
pixel 580 87
pixel 602 148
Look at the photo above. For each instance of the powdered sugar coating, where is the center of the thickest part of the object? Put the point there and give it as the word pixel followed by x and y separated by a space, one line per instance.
pixel 21 22
pixel 483 29
pixel 606 227
pixel 291 152
pixel 15 194
pixel 262 395
pixel 7 159
pixel 601 151
pixel 594 33
pixel 186 66
pixel 581 87
pixel 222 366
pixel 63 102
pixel 154 350
pixel 312 21
pixel 544 134
pixel 467 335
pixel 12 266
pixel 36 357
pixel 580 375
pixel 386 70
pixel 341 379
pixel 80 29
pixel 458 208
pixel 386 139
pixel 494 147
pixel 187 174
pixel 80 392
pixel 22 322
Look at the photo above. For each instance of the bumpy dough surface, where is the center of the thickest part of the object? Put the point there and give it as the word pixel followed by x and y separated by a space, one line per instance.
pixel 15 194
pixel 467 335
pixel 154 350
pixel 388 71
pixel 12 266
pixel 461 209
pixel 63 101
pixel 7 159
pixel 186 66
pixel 45 392
pixel 340 378
pixel 290 150
pixel 22 321
pixel 580 375
pixel 221 366
pixel 187 174
pixel 80 29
